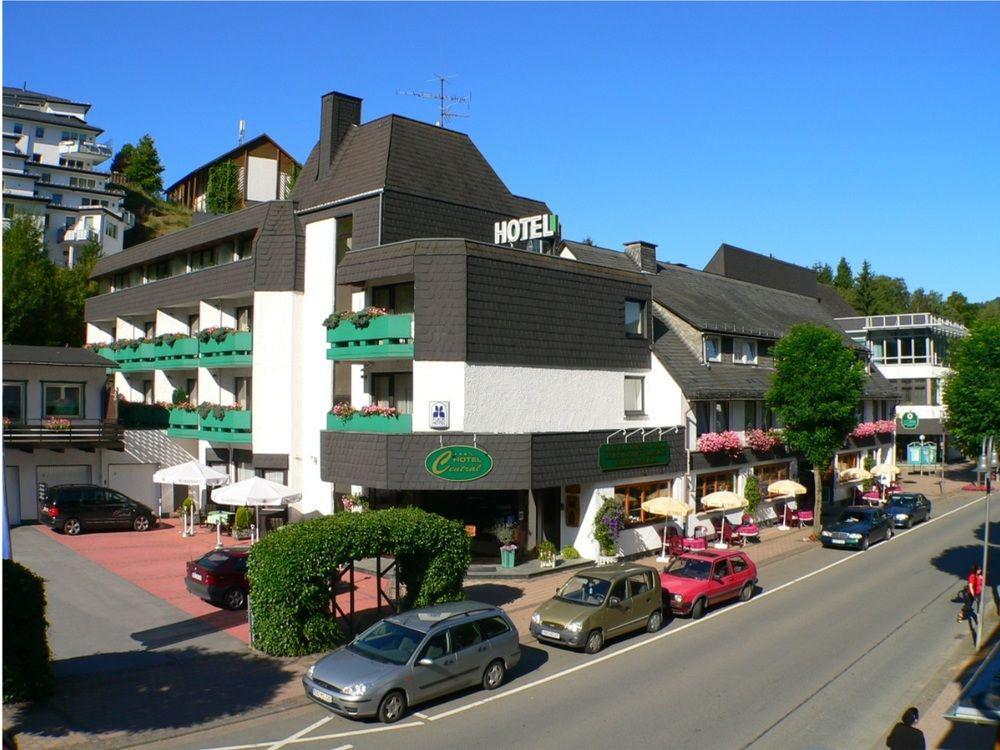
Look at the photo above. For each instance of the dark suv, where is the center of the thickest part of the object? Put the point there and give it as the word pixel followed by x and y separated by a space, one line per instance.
pixel 71 508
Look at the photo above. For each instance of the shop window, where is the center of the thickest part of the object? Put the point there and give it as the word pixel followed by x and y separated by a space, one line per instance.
pixel 14 406
pixel 635 318
pixel 770 473
pixel 393 389
pixel 244 318
pixel 709 483
pixel 634 396
pixel 396 298
pixel 62 400
pixel 745 351
pixel 345 236
pixel 632 496
pixel 713 349
pixel 848 461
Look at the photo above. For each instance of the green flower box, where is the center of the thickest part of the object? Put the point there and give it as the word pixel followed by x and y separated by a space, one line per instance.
pixel 140 358
pixel 179 354
pixel 235 350
pixel 233 427
pixel 183 424
pixel 401 424
pixel 385 337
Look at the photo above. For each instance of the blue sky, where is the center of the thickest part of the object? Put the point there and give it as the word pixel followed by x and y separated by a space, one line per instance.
pixel 806 131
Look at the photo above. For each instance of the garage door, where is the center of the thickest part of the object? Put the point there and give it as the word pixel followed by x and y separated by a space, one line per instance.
pixel 136 481
pixel 53 475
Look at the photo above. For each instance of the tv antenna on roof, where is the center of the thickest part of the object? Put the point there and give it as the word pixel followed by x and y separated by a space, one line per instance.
pixel 242 132
pixel 446 101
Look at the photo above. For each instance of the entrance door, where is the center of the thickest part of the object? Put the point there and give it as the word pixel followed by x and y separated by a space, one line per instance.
pixel 12 493
pixel 549 501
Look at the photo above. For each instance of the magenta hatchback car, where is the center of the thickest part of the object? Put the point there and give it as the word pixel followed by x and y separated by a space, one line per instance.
pixel 220 577
pixel 696 581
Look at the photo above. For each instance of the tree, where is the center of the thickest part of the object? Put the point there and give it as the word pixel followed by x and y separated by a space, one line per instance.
pixel 863 292
pixel 223 194
pixel 990 311
pixel 958 308
pixel 817 385
pixel 972 391
pixel 30 291
pixel 73 286
pixel 122 159
pixel 926 302
pixel 587 241
pixel 144 168
pixel 890 295
pixel 844 277
pixel 824 274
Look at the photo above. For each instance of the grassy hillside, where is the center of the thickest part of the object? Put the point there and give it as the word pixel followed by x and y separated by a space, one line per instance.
pixel 154 217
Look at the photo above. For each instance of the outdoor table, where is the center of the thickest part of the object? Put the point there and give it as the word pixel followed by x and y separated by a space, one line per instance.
pixel 805 516
pixel 749 531
pixel 217 516
pixel 698 542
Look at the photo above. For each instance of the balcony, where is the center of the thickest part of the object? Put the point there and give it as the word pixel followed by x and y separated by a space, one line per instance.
pixel 357 423
pixel 235 350
pixel 89 151
pixel 385 337
pixel 79 234
pixel 137 359
pixel 179 354
pixel 58 433
pixel 139 416
pixel 182 424
pixel 233 427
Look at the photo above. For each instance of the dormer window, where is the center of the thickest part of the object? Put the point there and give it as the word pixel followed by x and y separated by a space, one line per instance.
pixel 745 351
pixel 713 349
pixel 635 318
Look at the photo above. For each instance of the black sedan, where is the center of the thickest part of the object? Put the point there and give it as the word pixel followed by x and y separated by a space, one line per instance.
pixel 906 508
pixel 857 527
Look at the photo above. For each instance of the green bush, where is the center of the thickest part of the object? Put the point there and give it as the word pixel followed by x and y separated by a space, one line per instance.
pixel 868 464
pixel 569 552
pixel 27 672
pixel 292 572
pixel 244 517
pixel 752 494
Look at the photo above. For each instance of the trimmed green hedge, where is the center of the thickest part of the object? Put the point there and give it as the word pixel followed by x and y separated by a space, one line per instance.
pixel 27 671
pixel 291 571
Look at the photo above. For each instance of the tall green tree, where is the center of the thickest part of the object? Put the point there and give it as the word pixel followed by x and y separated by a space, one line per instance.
pixel 927 302
pixel 972 391
pixel 223 196
pixel 123 158
pixel 863 291
pixel 958 308
pixel 30 289
pixel 844 278
pixel 990 311
pixel 144 168
pixel 890 295
pixel 74 285
pixel 824 274
pixel 816 388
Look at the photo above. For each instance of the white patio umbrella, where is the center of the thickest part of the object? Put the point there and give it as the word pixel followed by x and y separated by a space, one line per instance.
pixel 785 488
pixel 666 505
pixel 885 470
pixel 723 500
pixel 256 493
pixel 191 474
pixel 855 475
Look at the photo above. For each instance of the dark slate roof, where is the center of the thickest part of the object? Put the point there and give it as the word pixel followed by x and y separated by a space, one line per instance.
pixel 408 156
pixel 23 113
pixel 206 233
pixel 14 354
pixel 834 303
pixel 252 143
pixel 12 92
pixel 736 263
pixel 600 256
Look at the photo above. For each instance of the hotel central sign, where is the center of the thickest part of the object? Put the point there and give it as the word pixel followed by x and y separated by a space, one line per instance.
pixel 529 228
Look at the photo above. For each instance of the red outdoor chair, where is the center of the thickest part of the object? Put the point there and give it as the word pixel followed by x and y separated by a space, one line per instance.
pixel 675 544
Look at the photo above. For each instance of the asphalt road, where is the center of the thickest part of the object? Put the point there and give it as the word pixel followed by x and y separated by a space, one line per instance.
pixel 827 655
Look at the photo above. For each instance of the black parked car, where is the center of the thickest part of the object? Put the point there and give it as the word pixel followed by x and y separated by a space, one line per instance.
pixel 906 508
pixel 72 508
pixel 857 527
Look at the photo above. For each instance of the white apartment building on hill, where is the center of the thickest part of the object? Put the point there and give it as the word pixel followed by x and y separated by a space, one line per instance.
pixel 50 159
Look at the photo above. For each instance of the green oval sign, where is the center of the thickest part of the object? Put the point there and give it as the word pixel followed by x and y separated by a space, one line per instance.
pixel 910 420
pixel 459 463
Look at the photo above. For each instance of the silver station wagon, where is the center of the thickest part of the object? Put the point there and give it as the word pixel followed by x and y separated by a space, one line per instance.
pixel 415 656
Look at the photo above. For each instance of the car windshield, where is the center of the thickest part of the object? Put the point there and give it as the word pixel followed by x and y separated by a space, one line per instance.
pixel 214 560
pixel 902 500
pixel 686 567
pixel 585 590
pixel 387 641
pixel 854 517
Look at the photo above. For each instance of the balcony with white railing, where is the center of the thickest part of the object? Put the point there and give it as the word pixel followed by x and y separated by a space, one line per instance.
pixel 88 150
pixel 79 234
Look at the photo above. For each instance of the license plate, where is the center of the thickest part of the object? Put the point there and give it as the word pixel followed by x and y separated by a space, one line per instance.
pixel 322 695
pixel 839 541
pixel 196 575
pixel 551 634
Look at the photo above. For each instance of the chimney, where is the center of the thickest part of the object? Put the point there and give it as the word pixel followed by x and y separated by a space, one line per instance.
pixel 338 113
pixel 643 254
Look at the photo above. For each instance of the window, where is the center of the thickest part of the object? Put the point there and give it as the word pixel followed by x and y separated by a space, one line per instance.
pixel 191 386
pixel 202 259
pixel 39 132
pixel 243 391
pixel 749 415
pixel 57 199
pixel 721 414
pixel 713 349
pixel 14 406
pixel 149 329
pixel 111 229
pixel 63 400
pixel 178 265
pixel 639 584
pixel 18 128
pixel 465 635
pixel 770 473
pixel 703 416
pixel 739 564
pixel 744 351
pixel 721 569
pixel 45 177
pixel 437 646
pixel 635 317
pixel 393 389
pixel 244 318
pixel 157 271
pixel 709 483
pixel 632 496
pixel 345 236
pixel 491 627
pixel 634 395
pixel 242 248
pixel 396 298
pixel 618 590
pixel 36 158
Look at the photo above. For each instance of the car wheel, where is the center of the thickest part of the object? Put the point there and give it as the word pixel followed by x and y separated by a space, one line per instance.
pixel 72 526
pixel 746 592
pixel 655 621
pixel 234 598
pixel 698 610
pixel 909 523
pixel 595 642
pixel 888 533
pixel 494 674
pixel 141 523
pixel 392 707
pixel 864 544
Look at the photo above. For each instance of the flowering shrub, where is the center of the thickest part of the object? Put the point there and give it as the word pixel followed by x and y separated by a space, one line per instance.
pixel 609 524
pixel 216 410
pixel 183 406
pixel 57 423
pixel 214 333
pixel 720 442
pixel 885 426
pixel 505 532
pixel 763 440
pixel 374 410
pixel 170 338
pixel 343 410
pixel 95 347
pixel 360 318
pixel 120 344
pixel 354 503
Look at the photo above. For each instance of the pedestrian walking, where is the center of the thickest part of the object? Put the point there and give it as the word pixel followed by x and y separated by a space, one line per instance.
pixel 905 736
pixel 971 594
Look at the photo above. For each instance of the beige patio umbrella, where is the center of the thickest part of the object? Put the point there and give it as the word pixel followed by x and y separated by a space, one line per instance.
pixel 785 488
pixel 666 505
pixel 855 475
pixel 723 500
pixel 885 470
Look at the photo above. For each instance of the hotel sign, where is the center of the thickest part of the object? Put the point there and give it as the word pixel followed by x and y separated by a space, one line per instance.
pixel 612 456
pixel 910 420
pixel 529 228
pixel 459 463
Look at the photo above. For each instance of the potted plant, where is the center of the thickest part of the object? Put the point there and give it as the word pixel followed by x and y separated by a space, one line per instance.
pixel 569 552
pixel 608 525
pixel 505 533
pixel 242 522
pixel 546 554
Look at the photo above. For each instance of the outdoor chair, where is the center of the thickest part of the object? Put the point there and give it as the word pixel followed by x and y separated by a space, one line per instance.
pixel 675 544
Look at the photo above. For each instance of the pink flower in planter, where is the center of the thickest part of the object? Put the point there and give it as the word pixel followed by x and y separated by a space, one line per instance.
pixel 864 430
pixel 761 440
pixel 374 410
pixel 720 442
pixel 885 426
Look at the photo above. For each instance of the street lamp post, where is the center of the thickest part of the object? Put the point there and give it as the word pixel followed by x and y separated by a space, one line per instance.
pixel 987 462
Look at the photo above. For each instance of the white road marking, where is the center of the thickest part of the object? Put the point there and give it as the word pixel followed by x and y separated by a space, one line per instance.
pixel 420 715
pixel 322 737
pixel 307 730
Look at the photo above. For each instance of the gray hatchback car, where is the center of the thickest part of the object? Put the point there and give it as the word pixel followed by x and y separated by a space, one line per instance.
pixel 415 656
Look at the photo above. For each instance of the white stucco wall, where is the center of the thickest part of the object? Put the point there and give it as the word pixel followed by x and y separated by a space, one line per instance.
pixel 92 377
pixel 439 381
pixel 262 181
pixel 275 363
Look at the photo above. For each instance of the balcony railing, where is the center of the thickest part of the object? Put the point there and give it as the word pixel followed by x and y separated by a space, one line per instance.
pixel 79 234
pixel 183 424
pixel 232 427
pixel 385 337
pixel 357 423
pixel 235 350
pixel 85 148
pixel 59 431
pixel 178 354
